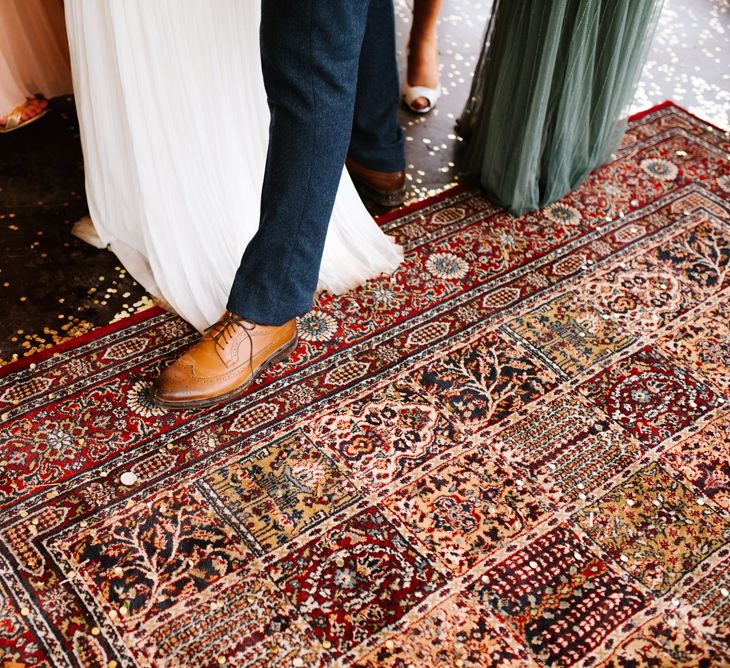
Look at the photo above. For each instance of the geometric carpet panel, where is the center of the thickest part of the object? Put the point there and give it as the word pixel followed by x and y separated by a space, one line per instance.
pixel 513 452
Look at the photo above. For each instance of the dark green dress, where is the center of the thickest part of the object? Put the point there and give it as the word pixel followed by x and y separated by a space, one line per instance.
pixel 550 92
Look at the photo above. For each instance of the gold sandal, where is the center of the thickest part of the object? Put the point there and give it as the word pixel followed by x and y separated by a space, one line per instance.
pixel 13 119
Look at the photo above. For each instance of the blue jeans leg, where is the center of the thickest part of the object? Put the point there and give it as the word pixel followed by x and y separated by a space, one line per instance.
pixel 311 55
pixel 377 139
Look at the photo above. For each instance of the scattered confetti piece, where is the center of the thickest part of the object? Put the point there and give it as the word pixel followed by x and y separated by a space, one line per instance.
pixel 128 478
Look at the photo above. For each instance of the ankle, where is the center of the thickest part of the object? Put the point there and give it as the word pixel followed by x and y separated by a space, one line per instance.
pixel 420 45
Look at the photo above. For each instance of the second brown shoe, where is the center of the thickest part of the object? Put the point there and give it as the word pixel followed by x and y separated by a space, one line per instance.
pixel 384 188
pixel 224 362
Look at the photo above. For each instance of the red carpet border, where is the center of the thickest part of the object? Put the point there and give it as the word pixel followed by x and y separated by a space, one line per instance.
pixel 515 452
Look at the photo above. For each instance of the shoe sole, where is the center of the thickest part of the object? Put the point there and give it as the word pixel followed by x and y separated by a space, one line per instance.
pixel 389 199
pixel 275 357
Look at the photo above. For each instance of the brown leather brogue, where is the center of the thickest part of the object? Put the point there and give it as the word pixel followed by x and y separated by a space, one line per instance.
pixel 224 362
pixel 385 188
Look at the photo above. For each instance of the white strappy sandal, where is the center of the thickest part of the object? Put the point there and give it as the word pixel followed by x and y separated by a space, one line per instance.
pixel 409 94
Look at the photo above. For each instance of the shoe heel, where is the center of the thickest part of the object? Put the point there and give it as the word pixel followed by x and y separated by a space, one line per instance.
pixel 386 199
pixel 285 352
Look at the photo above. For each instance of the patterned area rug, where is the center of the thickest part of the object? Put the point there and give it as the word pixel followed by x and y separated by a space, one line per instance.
pixel 514 453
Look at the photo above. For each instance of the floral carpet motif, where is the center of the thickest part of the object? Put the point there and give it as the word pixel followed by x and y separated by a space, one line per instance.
pixel 513 452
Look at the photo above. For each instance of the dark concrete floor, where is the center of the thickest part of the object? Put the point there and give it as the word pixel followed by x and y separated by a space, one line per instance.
pixel 53 286
pixel 431 138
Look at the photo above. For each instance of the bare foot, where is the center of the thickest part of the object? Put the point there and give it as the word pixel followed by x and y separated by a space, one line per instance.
pixel 31 108
pixel 423 67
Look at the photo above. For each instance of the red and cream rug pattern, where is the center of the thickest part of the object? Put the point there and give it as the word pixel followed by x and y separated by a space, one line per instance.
pixel 514 452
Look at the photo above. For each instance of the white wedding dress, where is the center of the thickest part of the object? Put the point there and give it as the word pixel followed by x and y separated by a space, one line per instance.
pixel 174 126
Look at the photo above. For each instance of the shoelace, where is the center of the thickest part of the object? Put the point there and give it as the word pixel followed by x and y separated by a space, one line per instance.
pixel 226 328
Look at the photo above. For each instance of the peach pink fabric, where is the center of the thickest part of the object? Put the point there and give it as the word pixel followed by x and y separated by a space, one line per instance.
pixel 33 51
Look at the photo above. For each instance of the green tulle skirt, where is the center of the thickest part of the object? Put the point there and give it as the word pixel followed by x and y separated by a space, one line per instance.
pixel 552 85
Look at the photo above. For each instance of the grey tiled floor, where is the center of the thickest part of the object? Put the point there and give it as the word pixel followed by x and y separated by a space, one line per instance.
pixel 689 60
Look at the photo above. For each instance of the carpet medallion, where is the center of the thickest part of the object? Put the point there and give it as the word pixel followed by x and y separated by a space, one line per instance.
pixel 514 452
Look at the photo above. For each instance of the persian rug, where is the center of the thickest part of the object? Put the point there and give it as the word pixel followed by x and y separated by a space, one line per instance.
pixel 514 452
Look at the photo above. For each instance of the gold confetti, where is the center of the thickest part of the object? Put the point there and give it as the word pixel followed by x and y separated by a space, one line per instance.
pixel 128 478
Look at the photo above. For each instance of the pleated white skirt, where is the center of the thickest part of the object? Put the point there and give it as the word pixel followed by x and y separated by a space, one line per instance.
pixel 174 126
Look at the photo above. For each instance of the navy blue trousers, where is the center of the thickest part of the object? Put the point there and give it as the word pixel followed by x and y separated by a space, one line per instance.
pixel 331 81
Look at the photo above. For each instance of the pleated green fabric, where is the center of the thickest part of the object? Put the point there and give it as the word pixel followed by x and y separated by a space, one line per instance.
pixel 550 94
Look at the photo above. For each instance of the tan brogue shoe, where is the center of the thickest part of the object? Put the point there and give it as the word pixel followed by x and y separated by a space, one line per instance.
pixel 385 188
pixel 224 362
